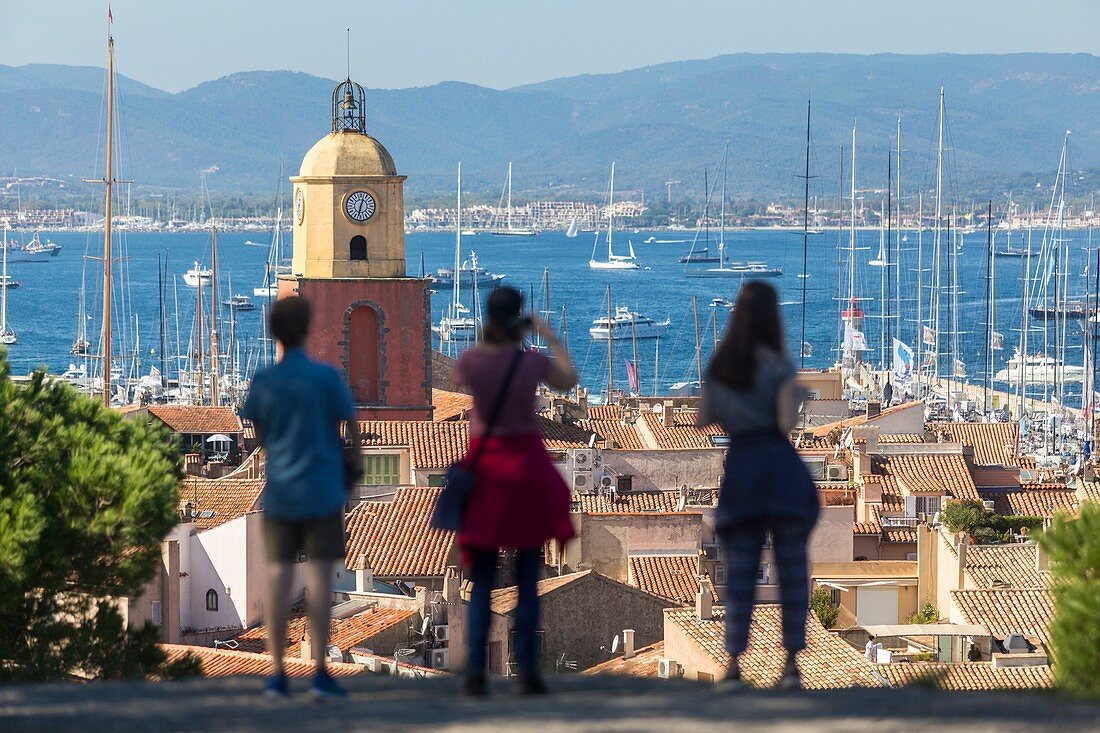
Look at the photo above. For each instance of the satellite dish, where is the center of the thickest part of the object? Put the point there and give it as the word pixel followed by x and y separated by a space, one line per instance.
pixel 615 645
pixel 658 408
pixel 424 626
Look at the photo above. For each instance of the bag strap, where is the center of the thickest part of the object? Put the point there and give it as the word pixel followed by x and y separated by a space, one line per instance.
pixel 512 369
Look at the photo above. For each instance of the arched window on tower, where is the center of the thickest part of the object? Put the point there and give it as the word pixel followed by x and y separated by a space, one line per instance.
pixel 358 249
pixel 211 600
pixel 364 354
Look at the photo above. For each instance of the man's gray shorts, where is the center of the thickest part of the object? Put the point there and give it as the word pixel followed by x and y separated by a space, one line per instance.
pixel 320 539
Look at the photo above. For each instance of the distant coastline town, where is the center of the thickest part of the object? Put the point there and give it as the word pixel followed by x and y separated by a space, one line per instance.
pixel 159 212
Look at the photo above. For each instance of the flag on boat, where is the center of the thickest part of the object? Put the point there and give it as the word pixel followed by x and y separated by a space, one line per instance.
pixel 929 359
pixel 960 368
pixel 632 375
pixel 154 373
pixel 998 341
pixel 854 340
pixel 929 336
pixel 903 361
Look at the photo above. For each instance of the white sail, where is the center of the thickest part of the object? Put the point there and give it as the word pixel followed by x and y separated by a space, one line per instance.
pixel 613 261
pixel 7 335
pixel 573 228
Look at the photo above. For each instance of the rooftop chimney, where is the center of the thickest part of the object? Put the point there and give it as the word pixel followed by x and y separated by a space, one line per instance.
pixel 306 649
pixel 668 414
pixel 703 601
pixel 628 643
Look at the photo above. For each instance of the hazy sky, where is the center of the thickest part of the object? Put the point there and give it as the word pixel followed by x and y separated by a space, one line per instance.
pixel 175 44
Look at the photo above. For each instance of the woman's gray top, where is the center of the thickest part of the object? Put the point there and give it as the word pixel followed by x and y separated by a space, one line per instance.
pixel 750 411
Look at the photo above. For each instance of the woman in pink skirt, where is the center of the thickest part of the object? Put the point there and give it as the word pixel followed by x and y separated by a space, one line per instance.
pixel 520 501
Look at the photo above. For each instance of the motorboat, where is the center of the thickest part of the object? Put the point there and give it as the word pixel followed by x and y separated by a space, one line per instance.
pixel 196 275
pixel 239 303
pixel 627 324
pixel 1039 369
pixel 469 274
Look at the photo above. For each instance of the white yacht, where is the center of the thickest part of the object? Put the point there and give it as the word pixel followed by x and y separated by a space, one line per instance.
pixel 196 275
pixel 468 272
pixel 1039 369
pixel 627 324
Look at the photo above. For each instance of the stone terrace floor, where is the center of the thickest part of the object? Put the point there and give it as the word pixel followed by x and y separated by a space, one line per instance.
pixel 579 704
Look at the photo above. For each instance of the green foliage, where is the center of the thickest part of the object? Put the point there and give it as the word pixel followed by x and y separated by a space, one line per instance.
pixel 1073 545
pixel 85 500
pixel 964 515
pixel 924 657
pixel 927 615
pixel 821 601
pixel 970 516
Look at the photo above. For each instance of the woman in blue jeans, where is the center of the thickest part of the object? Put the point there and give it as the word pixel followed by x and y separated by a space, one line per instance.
pixel 751 393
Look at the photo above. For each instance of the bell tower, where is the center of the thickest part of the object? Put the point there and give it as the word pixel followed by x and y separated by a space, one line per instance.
pixel 370 320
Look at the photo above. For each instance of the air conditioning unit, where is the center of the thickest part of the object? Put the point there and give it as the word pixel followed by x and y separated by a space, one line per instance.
pixel 582 482
pixel 668 669
pixel 441 632
pixel 583 459
pixel 710 551
pixel 605 483
pixel 836 472
pixel 378 665
pixel 988 504
pixel 440 659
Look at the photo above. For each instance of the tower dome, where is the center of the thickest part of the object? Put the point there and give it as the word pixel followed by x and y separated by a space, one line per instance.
pixel 348 150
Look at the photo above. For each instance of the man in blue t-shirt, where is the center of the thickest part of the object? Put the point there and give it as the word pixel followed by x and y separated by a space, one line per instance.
pixel 297 407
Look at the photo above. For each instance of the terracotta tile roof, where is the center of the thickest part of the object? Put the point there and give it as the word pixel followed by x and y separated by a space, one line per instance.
pixel 634 502
pixel 432 445
pixel 866 528
pixel 1027 612
pixel 505 600
pixel 345 633
pixel 1034 502
pixel 675 577
pixel 826 663
pixel 604 412
pixel 994 443
pixel 895 438
pixel 625 435
pixel 395 536
pixel 561 436
pixel 682 434
pixel 900 535
pixel 642 664
pixel 967 676
pixel 928 472
pixel 230 663
pixel 849 422
pixel 228 498
pixel 197 419
pixel 436 445
pixel 451 405
pixel 1004 566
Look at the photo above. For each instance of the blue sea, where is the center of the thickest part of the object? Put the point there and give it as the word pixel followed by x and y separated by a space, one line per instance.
pixel 44 310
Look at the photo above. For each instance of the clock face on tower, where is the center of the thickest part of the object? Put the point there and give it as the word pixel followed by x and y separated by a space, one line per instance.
pixel 359 206
pixel 299 205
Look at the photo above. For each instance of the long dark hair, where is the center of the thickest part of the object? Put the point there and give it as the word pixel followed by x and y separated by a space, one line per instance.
pixel 506 322
pixel 755 322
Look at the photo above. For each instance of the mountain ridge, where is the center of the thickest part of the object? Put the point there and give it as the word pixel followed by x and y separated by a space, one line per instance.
pixel 668 121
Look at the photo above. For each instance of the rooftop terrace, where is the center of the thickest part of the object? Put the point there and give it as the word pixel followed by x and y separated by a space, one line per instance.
pixel 581 703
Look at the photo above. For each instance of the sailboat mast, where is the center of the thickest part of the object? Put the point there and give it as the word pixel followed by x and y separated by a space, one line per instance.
pixel 509 195
pixel 611 212
pixel 897 239
pixel 805 244
pixel 455 299
pixel 920 292
pixel 634 343
pixel 698 348
pixel 936 242
pixel 215 368
pixel 610 350
pixel 163 316
pixel 108 183
pixel 4 289
pixel 989 306
pixel 197 378
pixel 722 211
pixel 886 270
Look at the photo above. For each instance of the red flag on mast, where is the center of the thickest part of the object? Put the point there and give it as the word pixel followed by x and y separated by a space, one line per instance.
pixel 632 375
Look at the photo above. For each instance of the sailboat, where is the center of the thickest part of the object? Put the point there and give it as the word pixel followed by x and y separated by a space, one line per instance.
pixel 509 230
pixel 727 269
pixel 457 324
pixel 703 255
pixel 7 335
pixel 613 261
pixel 80 343
pixel 573 228
pixel 274 265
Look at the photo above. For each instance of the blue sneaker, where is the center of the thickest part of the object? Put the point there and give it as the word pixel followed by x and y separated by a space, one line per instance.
pixel 277 686
pixel 325 687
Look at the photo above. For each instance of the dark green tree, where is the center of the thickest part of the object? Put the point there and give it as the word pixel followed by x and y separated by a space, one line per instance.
pixel 86 498
pixel 821 601
pixel 1073 545
pixel 964 515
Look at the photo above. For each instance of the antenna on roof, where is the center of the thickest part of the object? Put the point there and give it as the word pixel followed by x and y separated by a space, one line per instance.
pixel 348 31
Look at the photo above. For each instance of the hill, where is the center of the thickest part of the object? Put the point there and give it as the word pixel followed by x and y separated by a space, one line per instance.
pixel 1006 115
